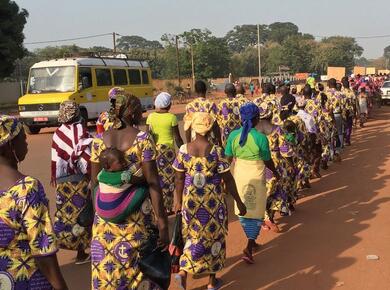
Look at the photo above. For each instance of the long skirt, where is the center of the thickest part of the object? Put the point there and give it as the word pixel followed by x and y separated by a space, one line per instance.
pixel 165 158
pixel 115 251
pixel 71 199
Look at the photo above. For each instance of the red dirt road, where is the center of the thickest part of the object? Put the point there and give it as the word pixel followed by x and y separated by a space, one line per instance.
pixel 343 218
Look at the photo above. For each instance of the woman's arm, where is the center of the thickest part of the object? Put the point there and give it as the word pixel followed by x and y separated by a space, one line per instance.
pixel 217 133
pixel 149 169
pixel 231 187
pixel 48 265
pixel 178 139
pixel 188 135
pixel 271 166
pixel 95 169
pixel 179 188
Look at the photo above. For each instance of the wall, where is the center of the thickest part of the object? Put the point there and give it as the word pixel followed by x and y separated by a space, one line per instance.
pixel 359 70
pixel 336 72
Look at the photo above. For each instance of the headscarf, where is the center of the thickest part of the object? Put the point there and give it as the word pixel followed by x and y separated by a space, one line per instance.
pixel 200 122
pixel 69 111
pixel 125 105
pixel 10 127
pixel 265 110
pixel 114 92
pixel 163 100
pixel 248 111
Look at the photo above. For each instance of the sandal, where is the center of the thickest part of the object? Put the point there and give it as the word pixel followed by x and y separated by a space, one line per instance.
pixel 86 260
pixel 217 286
pixel 179 281
pixel 248 258
pixel 274 227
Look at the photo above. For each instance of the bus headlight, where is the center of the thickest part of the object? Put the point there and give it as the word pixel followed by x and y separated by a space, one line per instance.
pixel 22 108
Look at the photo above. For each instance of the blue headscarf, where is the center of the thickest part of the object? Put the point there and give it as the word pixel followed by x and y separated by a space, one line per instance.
pixel 247 112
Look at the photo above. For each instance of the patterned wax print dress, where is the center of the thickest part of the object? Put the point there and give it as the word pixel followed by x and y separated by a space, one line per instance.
pixel 228 116
pixel 71 143
pixel 204 211
pixel 115 247
pixel 303 168
pixel 25 232
pixel 163 124
pixel 280 193
pixel 203 105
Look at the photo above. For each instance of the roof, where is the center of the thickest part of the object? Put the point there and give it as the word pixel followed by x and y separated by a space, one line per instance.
pixel 91 61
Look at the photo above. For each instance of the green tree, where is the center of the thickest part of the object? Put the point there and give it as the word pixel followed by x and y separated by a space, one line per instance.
pixel 245 63
pixel 280 31
pixel 126 43
pixel 243 36
pixel 12 23
pixel 273 57
pixel 212 58
pixel 386 52
pixel 336 51
pixel 298 52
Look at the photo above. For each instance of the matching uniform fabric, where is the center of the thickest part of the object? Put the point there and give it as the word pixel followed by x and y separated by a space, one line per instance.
pixel 25 232
pixel 204 211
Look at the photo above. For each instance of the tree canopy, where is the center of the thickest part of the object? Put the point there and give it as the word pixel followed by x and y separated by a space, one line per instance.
pixel 12 23
pixel 282 45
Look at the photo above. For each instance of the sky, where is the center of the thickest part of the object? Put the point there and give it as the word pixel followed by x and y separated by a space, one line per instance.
pixel 62 19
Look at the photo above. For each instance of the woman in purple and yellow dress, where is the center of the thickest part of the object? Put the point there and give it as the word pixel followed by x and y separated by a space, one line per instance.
pixel 282 154
pixel 202 104
pixel 164 128
pixel 201 166
pixel 228 116
pixel 106 119
pixel 115 248
pixel 27 239
pixel 70 170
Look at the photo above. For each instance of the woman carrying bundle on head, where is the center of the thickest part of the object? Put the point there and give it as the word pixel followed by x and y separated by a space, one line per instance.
pixel 165 131
pixel 201 166
pixel 250 150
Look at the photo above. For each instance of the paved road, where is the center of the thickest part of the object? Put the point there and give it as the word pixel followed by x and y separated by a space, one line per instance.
pixel 343 218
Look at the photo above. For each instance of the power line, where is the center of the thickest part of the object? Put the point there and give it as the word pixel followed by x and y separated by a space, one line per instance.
pixel 68 39
pixel 358 37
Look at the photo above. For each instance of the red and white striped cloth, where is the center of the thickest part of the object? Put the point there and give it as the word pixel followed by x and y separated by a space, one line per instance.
pixel 70 151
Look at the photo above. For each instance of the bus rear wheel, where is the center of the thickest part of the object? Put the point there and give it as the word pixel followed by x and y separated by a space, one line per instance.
pixel 32 130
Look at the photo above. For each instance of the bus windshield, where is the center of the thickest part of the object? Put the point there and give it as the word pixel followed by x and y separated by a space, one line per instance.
pixel 52 79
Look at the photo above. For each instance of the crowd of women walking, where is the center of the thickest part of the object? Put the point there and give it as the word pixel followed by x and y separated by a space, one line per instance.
pixel 114 191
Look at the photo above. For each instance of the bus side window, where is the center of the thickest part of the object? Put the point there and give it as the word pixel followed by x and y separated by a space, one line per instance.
pixel 120 77
pixel 85 78
pixel 134 76
pixel 103 77
pixel 145 77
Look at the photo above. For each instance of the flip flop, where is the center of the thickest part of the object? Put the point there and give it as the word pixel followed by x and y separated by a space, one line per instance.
pixel 84 261
pixel 247 258
pixel 179 281
pixel 217 286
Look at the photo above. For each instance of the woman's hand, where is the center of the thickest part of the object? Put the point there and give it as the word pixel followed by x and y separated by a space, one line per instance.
pixel 241 208
pixel 177 207
pixel 163 240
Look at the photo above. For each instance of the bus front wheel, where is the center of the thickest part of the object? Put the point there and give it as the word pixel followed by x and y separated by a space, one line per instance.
pixel 32 130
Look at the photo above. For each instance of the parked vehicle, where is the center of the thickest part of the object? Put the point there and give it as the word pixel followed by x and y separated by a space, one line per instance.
pixel 85 80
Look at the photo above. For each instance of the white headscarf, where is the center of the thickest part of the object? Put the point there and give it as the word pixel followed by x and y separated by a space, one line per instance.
pixel 163 100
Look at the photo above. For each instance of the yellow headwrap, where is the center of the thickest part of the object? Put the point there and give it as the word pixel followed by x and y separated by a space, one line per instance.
pixel 10 127
pixel 200 122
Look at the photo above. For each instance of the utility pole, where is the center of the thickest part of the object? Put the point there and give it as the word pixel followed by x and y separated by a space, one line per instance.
pixel 114 41
pixel 259 52
pixel 177 59
pixel 193 65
